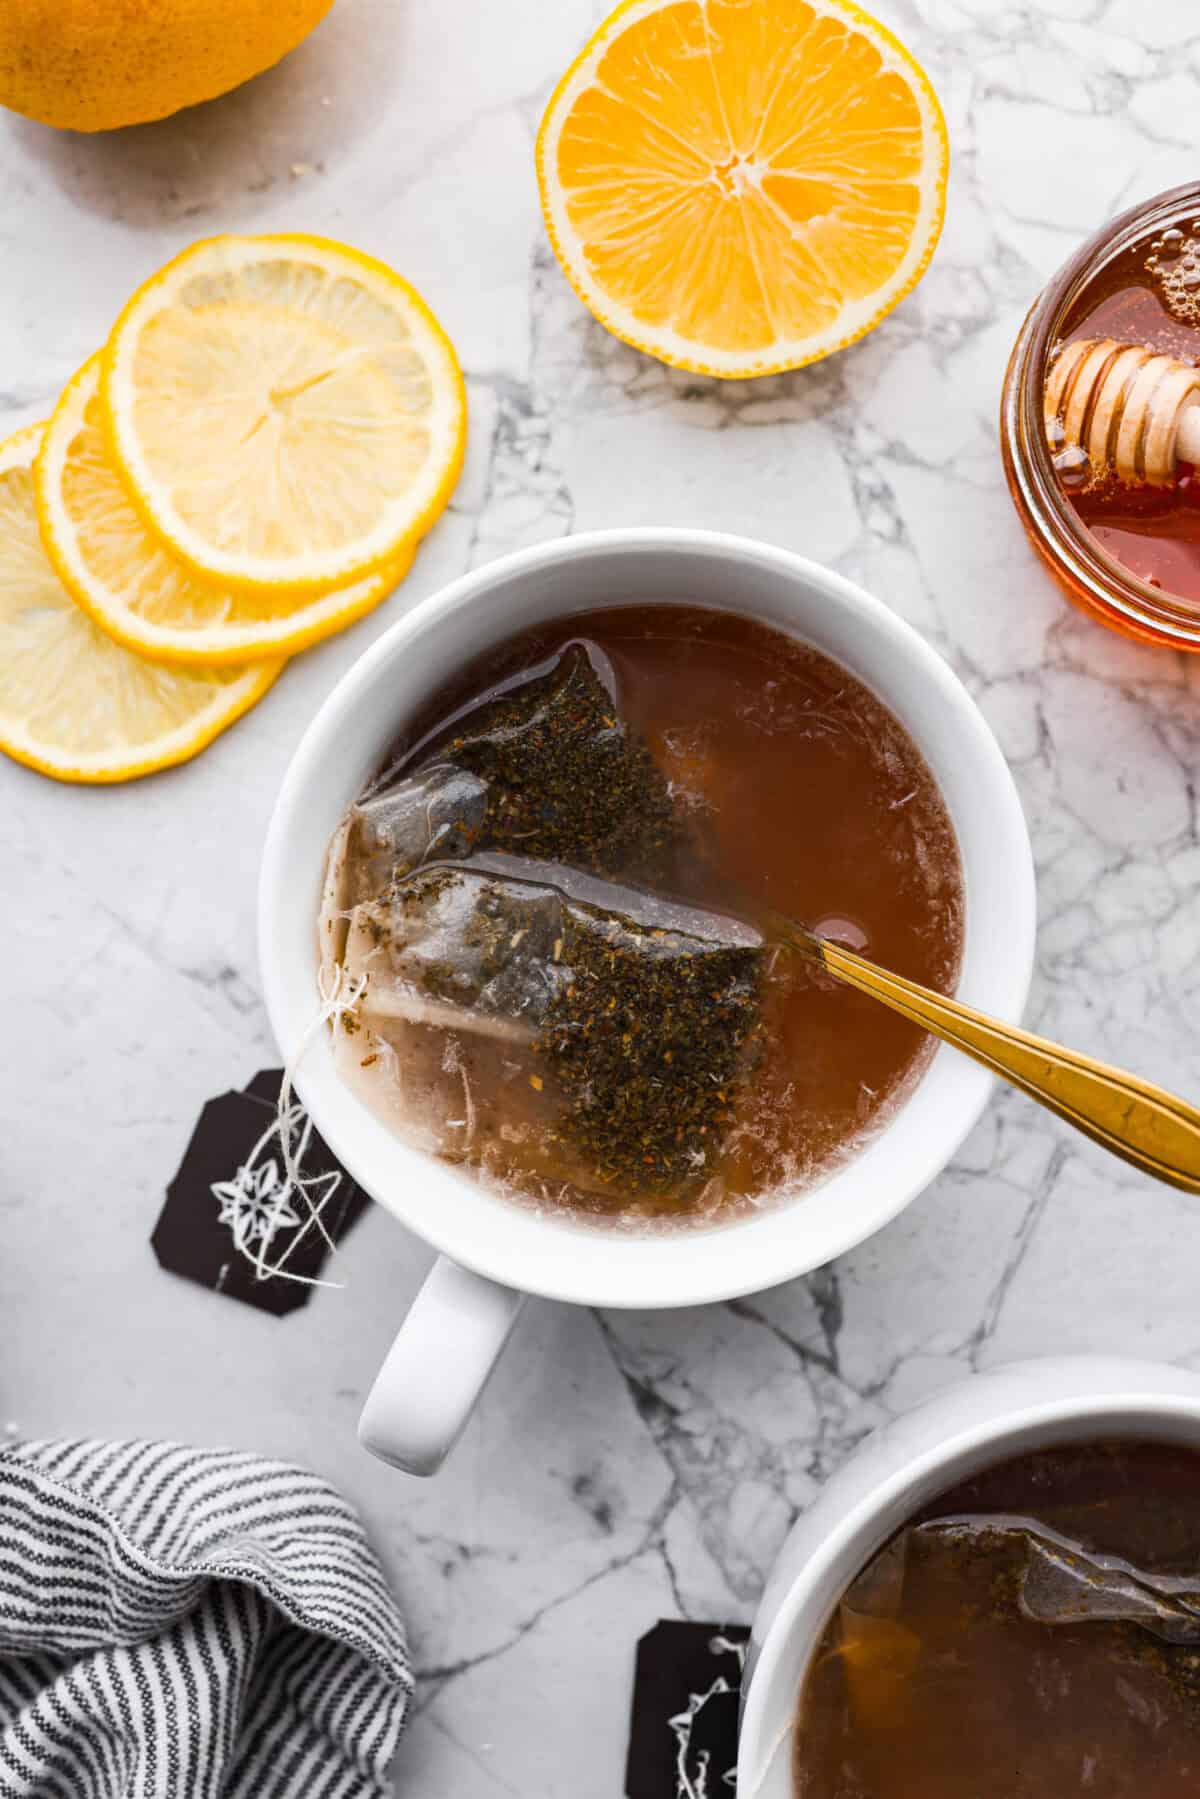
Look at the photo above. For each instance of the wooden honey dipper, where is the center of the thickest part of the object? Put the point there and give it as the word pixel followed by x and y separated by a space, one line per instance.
pixel 1132 410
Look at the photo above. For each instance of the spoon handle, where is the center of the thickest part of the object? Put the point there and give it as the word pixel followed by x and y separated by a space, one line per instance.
pixel 1143 1124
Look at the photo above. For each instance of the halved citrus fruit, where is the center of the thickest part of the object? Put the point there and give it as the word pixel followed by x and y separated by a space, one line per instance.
pixel 95 65
pixel 136 588
pixel 284 411
pixel 73 703
pixel 742 186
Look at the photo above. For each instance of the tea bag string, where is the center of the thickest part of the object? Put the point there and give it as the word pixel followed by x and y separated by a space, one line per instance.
pixel 291 1129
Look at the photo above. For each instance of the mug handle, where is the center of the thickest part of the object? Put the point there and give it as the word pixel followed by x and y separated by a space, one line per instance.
pixel 437 1368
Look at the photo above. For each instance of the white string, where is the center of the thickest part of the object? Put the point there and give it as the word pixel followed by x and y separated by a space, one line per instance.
pixel 683 1724
pixel 292 1129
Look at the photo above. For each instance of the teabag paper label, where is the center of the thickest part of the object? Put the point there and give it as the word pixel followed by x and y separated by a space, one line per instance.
pixel 221 1208
pixel 687 1687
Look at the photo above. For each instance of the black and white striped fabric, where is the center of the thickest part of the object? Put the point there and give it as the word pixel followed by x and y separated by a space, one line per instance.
pixel 190 1624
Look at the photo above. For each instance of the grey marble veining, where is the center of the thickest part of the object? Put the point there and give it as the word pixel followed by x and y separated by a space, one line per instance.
pixel 632 1465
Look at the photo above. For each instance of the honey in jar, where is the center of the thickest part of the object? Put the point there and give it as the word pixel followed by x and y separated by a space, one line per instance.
pixel 1100 422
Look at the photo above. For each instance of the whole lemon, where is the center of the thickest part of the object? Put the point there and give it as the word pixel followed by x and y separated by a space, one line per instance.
pixel 91 65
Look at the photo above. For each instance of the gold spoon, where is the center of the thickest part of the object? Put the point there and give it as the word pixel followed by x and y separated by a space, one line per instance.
pixel 1141 1123
pixel 1137 1121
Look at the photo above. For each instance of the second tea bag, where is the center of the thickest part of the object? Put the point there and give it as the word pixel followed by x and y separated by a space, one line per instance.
pixel 542 767
pixel 553 1028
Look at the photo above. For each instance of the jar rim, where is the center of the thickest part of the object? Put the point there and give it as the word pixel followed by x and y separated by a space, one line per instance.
pixel 1106 584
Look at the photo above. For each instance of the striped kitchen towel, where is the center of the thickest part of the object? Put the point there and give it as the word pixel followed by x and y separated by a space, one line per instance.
pixel 190 1624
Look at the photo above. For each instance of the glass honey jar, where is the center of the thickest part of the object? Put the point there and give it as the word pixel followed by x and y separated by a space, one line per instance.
pixel 1104 369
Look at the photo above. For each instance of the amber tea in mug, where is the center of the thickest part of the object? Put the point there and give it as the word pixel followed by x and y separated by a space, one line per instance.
pixel 1033 1634
pixel 550 906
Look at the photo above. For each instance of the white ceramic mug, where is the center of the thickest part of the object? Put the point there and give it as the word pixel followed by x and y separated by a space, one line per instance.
pixel 964 1429
pixel 494 1251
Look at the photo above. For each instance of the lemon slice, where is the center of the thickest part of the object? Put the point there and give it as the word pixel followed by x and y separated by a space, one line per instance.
pixel 73 703
pixel 283 410
pixel 134 587
pixel 742 186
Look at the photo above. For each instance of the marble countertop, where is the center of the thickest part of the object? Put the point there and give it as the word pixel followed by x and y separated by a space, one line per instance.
pixel 622 1467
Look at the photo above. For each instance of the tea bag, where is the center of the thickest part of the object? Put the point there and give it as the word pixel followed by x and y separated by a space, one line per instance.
pixel 527 1003
pixel 543 766
pixel 878 1651
pixel 1062 1582
pixel 541 1021
pixel 1056 1579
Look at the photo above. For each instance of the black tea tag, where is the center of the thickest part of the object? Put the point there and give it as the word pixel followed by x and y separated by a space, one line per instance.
pixel 687 1685
pixel 225 1204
